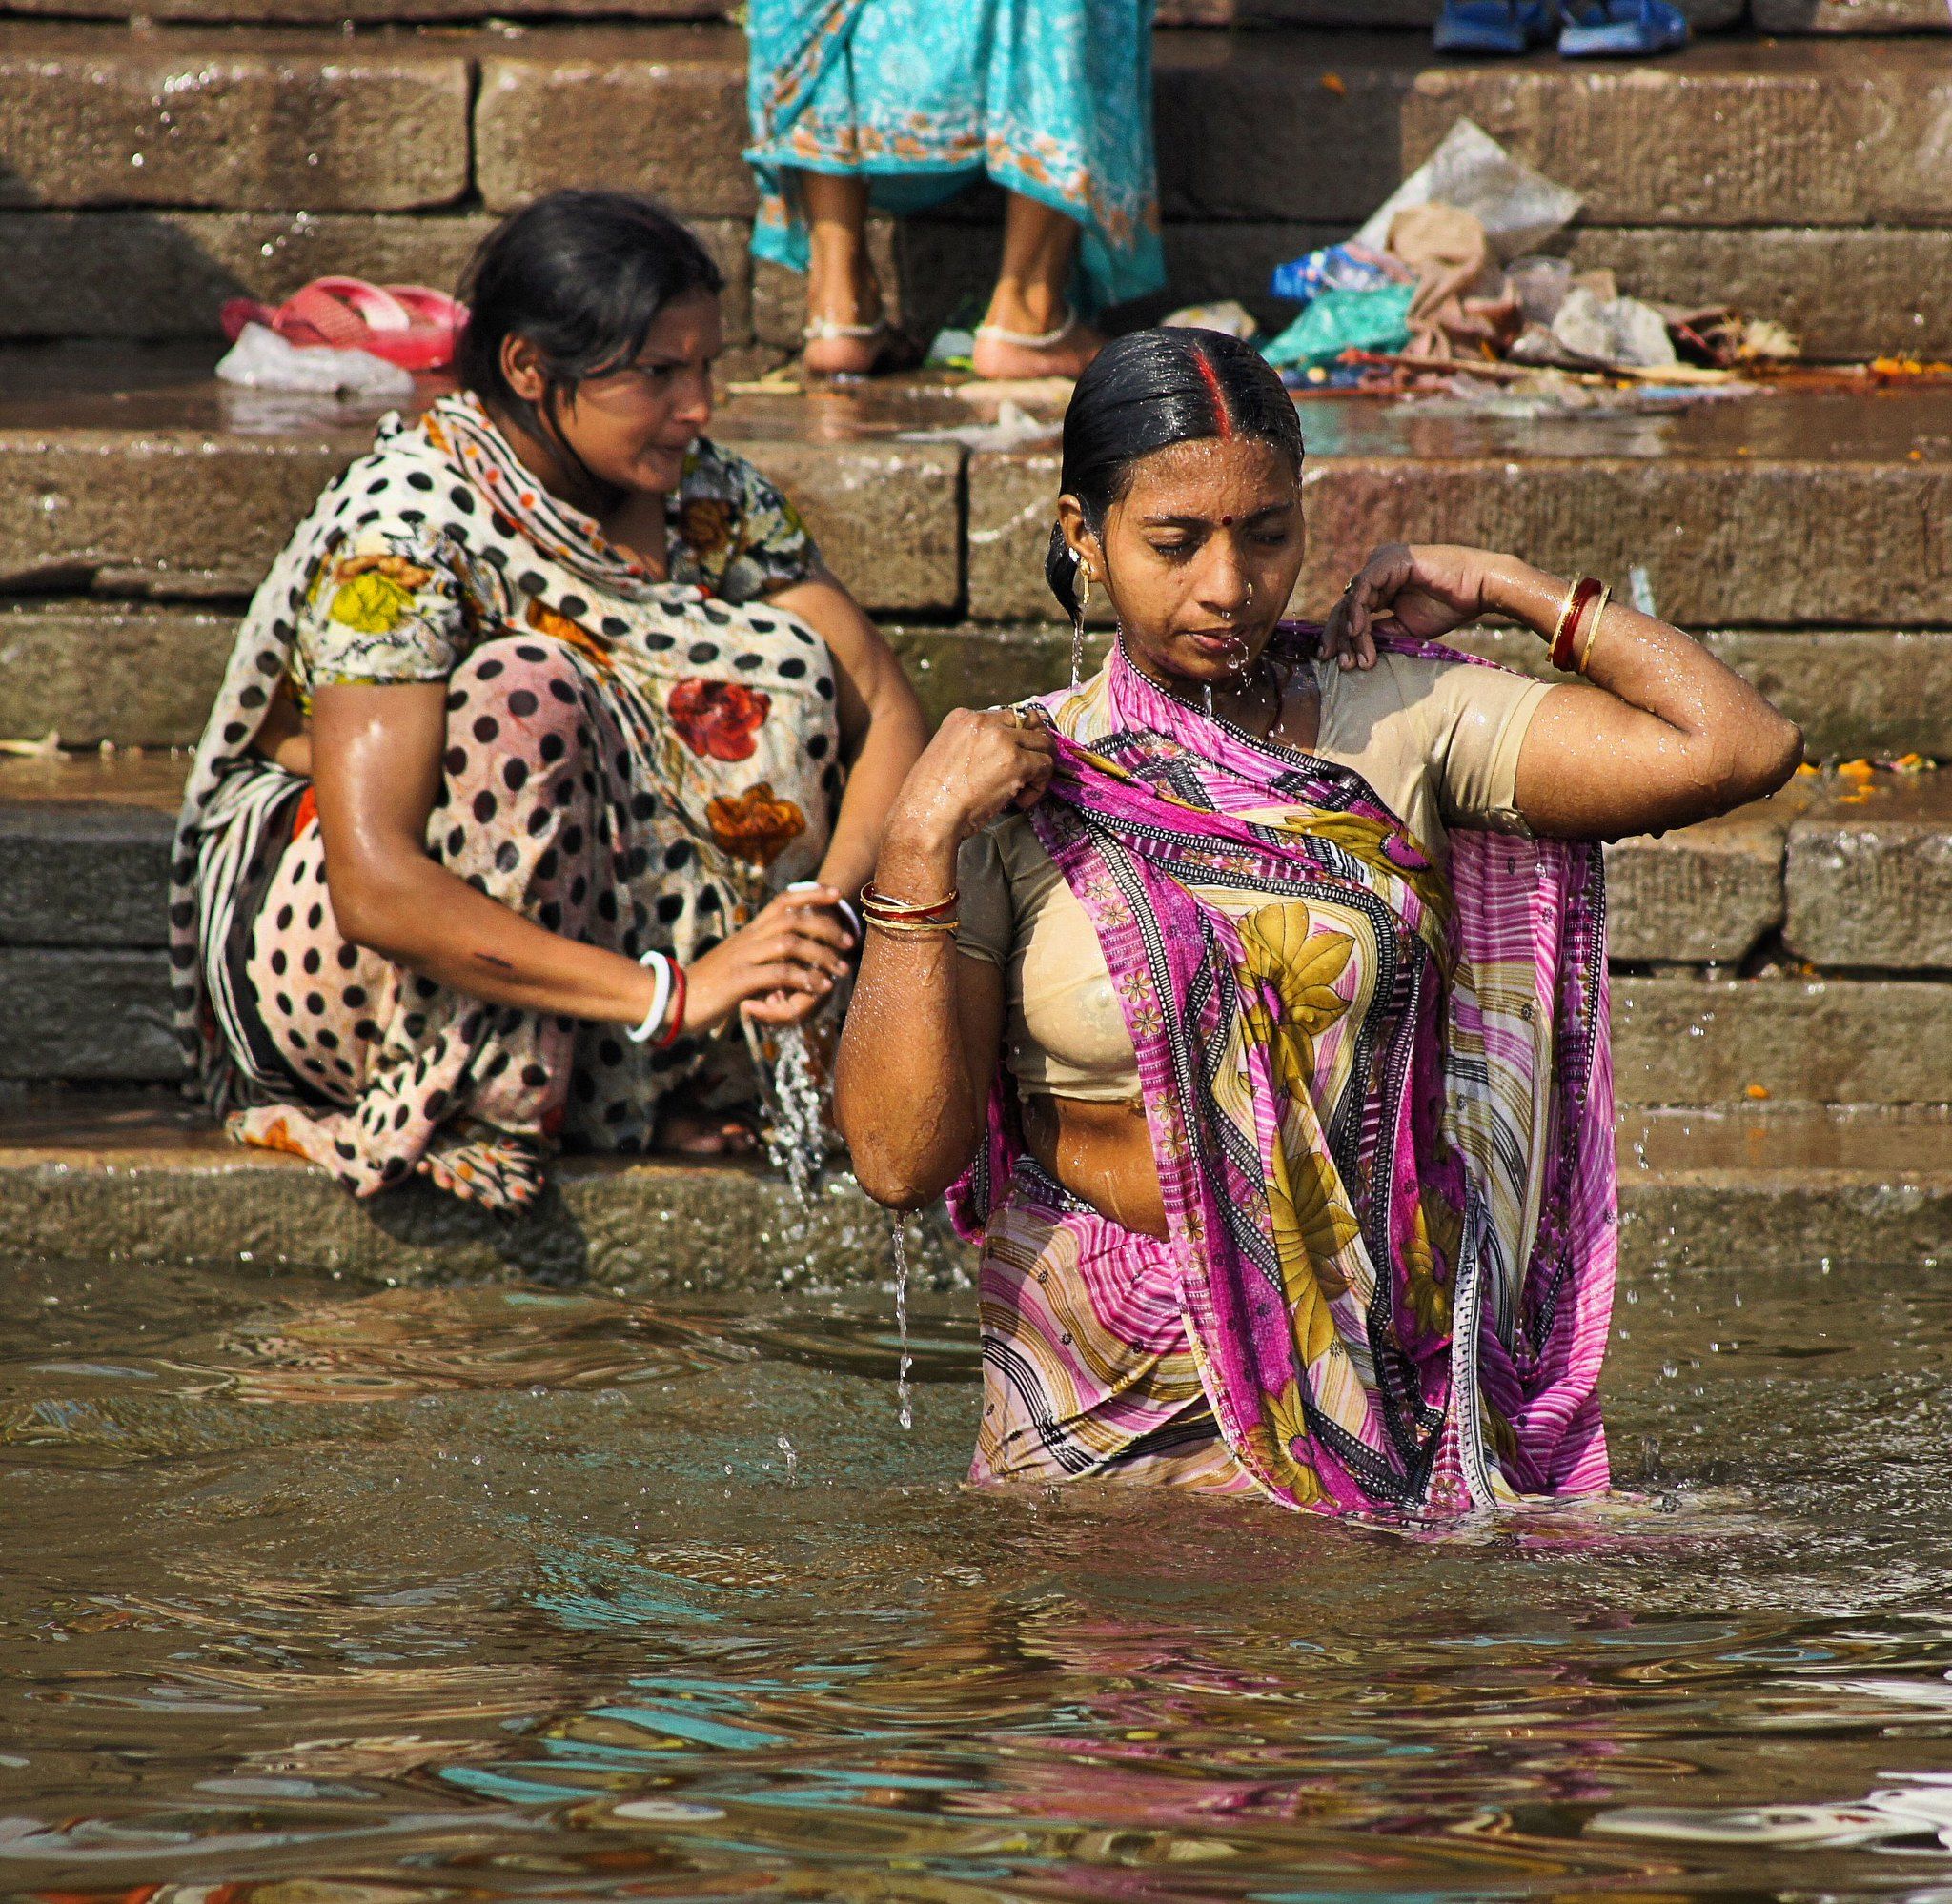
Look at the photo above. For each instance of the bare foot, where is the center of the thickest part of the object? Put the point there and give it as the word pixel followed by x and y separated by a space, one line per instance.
pixel 695 1133
pixel 1010 356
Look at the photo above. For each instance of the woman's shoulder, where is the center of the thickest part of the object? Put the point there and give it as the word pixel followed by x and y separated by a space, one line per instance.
pixel 740 533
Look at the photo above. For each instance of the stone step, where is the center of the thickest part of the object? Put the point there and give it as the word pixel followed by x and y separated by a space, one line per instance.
pixel 138 1180
pixel 133 473
pixel 1773 16
pixel 84 996
pixel 1792 178
pixel 144 676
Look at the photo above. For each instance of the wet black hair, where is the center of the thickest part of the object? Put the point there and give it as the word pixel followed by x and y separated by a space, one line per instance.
pixel 582 275
pixel 1145 391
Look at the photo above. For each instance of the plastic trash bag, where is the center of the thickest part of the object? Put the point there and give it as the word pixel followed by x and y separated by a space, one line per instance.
pixel 1613 331
pixel 260 360
pixel 1519 208
pixel 1334 268
pixel 1230 315
pixel 1343 320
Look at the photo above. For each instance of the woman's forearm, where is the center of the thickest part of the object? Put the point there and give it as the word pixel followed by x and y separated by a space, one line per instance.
pixel 905 1092
pixel 431 920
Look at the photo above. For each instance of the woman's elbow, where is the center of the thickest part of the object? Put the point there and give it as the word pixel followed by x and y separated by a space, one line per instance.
pixel 371 911
pixel 898 1176
pixel 1767 764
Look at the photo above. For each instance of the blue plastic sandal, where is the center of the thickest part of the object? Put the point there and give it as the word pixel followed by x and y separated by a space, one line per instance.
pixel 1493 26
pixel 1621 29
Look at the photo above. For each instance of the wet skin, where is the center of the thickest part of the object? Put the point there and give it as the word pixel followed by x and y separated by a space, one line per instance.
pixel 1200 557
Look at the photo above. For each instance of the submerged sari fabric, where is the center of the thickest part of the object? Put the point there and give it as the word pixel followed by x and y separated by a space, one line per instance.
pixel 1380 1101
pixel 1052 98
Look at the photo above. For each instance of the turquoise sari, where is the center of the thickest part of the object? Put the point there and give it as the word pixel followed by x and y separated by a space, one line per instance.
pixel 1052 98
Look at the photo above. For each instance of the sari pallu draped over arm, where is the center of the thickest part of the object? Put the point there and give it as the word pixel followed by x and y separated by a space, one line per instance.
pixel 1391 1200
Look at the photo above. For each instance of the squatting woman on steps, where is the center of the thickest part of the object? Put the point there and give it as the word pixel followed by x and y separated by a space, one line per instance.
pixel 526 735
pixel 1251 995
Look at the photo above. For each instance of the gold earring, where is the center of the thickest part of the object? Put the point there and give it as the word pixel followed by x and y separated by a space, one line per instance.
pixel 1084 590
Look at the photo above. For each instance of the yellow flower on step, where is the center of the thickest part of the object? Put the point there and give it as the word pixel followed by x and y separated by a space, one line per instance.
pixel 372 604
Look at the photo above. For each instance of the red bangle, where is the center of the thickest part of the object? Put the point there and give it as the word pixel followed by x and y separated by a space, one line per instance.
pixel 677 1030
pixel 1586 591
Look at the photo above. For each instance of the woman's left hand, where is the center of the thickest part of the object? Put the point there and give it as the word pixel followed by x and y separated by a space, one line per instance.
pixel 1422 590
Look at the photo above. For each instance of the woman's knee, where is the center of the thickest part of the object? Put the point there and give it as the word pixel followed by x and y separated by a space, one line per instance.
pixel 514 691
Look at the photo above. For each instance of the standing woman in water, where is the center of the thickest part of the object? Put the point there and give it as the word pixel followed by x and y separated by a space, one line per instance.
pixel 525 739
pixel 1252 994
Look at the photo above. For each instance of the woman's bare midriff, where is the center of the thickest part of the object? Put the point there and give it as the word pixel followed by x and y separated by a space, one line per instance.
pixel 1102 1152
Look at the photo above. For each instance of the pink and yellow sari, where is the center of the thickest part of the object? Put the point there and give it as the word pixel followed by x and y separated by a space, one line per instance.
pixel 1380 1099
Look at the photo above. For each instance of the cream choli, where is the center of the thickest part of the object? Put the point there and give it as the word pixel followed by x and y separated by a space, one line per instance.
pixel 1437 740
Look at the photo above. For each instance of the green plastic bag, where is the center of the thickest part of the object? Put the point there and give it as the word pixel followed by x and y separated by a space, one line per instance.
pixel 1342 320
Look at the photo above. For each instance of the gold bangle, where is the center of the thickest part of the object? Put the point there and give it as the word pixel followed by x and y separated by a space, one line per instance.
pixel 878 904
pixel 1592 626
pixel 1559 626
pixel 900 927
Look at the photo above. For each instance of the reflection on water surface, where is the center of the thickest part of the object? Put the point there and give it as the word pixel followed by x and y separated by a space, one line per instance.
pixel 323 1596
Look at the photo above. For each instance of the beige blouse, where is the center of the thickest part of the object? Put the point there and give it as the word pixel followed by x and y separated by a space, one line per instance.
pixel 1437 742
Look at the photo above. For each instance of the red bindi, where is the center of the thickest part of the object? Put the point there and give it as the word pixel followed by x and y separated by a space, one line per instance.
pixel 1227 522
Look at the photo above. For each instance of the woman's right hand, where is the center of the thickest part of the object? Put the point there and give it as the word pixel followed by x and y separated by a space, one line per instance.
pixel 981 762
pixel 795 944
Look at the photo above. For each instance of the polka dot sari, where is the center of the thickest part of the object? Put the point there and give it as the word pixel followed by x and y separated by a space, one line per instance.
pixel 631 762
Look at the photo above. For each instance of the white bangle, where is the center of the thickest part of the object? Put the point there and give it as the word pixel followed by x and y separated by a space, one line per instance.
pixel 845 906
pixel 658 965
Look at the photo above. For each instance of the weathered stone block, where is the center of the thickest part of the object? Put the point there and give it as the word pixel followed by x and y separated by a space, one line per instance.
pixel 982 667
pixel 93 672
pixel 1700 895
pixel 1686 1040
pixel 1849 295
pixel 1855 693
pixel 1870 877
pixel 1705 14
pixel 888 516
pixel 73 876
pixel 1851 16
pixel 125 1187
pixel 1724 537
pixel 659 110
pixel 340 13
pixel 93 117
pixel 166 512
pixel 86 1017
pixel 1280 125
pixel 1709 1190
pixel 1837 134
pixel 150 274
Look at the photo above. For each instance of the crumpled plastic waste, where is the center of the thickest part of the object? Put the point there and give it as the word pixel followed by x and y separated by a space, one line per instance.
pixel 1520 209
pixel 1230 315
pixel 1348 267
pixel 1619 331
pixel 1345 320
pixel 1463 306
pixel 260 360
pixel 952 348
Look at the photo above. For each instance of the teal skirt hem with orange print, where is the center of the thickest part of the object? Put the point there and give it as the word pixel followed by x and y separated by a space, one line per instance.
pixel 1054 100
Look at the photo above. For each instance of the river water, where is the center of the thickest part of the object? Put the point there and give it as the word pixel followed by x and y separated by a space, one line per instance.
pixel 313 1592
